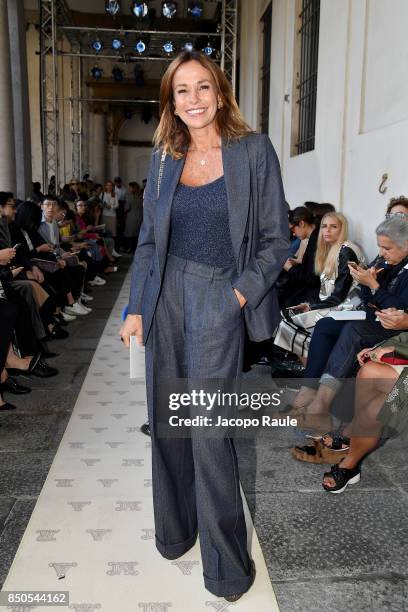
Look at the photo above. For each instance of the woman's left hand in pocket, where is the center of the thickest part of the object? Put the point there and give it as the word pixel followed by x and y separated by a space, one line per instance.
pixel 241 299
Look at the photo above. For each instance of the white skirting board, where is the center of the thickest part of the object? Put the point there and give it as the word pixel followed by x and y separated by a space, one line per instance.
pixel 92 530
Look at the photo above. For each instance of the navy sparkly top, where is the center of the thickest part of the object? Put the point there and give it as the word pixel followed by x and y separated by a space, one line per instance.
pixel 199 228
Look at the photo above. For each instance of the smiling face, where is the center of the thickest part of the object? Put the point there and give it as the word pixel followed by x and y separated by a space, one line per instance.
pixel 330 229
pixel 195 96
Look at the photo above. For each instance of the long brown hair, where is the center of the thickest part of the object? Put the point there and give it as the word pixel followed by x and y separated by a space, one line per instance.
pixel 172 133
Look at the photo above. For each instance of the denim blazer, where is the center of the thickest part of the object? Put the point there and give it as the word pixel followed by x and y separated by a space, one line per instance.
pixel 258 221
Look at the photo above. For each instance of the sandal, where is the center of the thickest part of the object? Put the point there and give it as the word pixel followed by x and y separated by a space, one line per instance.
pixel 317 453
pixel 342 478
pixel 338 441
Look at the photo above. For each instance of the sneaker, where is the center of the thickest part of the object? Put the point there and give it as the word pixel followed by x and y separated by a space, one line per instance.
pixel 83 305
pixel 97 282
pixel 76 309
pixel 86 298
pixel 66 317
pixel 115 253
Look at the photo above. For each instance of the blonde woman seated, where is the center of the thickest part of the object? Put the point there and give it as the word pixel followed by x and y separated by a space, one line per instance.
pixel 333 254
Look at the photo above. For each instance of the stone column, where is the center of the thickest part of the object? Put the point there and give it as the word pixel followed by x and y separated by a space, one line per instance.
pixel 98 147
pixel 7 150
pixel 21 108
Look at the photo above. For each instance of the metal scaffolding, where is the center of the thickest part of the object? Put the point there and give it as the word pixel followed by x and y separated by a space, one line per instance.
pixel 56 25
pixel 48 92
pixel 229 40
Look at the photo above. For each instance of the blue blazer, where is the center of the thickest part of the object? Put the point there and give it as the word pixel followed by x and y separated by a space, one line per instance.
pixel 258 220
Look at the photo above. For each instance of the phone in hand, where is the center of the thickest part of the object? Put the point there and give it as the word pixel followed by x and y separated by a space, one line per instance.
pixel 374 306
pixel 356 265
pixel 16 246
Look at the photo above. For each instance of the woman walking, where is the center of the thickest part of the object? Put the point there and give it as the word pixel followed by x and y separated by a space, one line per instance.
pixel 212 243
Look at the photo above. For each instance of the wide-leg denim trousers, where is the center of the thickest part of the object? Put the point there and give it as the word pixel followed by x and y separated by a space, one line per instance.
pixel 198 333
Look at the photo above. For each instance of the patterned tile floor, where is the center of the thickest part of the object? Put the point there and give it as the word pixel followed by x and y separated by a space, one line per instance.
pixel 91 532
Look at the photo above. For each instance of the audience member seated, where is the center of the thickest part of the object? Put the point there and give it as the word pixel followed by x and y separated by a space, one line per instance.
pixel 67 281
pixel 24 281
pixel 381 402
pixel 332 254
pixel 88 232
pixel 398 207
pixel 335 344
pixel 301 283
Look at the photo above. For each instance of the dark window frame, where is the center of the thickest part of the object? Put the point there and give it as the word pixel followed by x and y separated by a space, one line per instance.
pixel 305 73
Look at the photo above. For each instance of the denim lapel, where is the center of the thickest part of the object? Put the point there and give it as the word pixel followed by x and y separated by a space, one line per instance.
pixel 172 170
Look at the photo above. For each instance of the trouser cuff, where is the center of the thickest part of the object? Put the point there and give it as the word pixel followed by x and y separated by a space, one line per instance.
pixel 174 551
pixel 330 381
pixel 221 588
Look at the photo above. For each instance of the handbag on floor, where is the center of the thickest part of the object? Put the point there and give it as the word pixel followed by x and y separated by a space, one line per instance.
pixel 292 338
pixel 295 331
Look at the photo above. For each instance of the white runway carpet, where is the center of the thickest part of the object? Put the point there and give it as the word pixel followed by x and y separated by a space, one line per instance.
pixel 91 532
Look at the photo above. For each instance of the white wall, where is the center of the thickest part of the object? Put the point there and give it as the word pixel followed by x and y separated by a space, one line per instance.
pixel 362 105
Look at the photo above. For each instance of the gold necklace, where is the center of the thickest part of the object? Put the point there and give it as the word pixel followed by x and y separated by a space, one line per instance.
pixel 203 161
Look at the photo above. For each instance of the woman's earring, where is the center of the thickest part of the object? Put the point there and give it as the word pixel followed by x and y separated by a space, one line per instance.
pixel 219 104
pixel 175 112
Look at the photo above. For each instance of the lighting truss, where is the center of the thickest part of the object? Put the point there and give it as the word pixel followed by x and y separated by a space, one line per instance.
pixel 229 30
pixel 56 22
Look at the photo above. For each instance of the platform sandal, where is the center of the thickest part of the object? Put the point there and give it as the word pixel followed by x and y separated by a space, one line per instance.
pixel 342 478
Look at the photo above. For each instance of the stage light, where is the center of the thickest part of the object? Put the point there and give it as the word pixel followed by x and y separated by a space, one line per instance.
pixel 97 45
pixel 117 44
pixel 139 9
pixel 117 73
pixel 112 7
pixel 188 46
pixel 169 9
pixel 140 47
pixel 168 47
pixel 195 9
pixel 208 50
pixel 96 72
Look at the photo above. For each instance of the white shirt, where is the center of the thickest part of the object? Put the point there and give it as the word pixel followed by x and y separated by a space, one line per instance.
pixel 112 202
